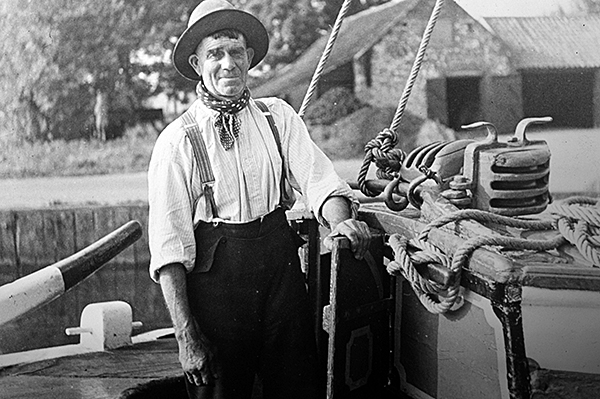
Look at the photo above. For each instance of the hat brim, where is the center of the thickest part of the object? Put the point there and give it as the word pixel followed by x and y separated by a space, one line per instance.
pixel 256 37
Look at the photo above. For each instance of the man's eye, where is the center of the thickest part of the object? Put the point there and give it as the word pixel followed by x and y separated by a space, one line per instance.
pixel 238 53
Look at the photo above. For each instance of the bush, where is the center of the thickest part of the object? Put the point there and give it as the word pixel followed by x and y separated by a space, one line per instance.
pixel 331 106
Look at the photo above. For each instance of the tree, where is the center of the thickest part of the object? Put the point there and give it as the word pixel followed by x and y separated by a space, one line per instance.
pixel 75 66
pixel 23 70
pixel 293 25
pixel 79 68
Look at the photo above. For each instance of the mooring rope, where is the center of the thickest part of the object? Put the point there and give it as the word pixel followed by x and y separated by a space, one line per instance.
pixel 380 141
pixel 381 151
pixel 437 8
pixel 576 218
pixel 485 217
pixel 434 298
pixel 324 57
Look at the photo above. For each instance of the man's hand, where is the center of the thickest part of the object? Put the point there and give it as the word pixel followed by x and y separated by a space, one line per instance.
pixel 195 353
pixel 356 231
pixel 196 358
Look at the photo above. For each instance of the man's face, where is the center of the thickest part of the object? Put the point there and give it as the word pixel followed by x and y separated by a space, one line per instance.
pixel 223 65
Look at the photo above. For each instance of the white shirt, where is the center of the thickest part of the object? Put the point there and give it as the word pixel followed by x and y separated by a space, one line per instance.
pixel 247 177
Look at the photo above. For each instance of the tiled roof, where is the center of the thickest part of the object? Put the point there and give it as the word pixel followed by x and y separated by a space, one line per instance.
pixel 551 42
pixel 358 33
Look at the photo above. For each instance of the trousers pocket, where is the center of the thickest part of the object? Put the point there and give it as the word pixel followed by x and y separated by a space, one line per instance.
pixel 205 256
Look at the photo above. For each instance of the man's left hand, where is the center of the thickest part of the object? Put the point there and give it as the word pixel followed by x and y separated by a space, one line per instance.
pixel 356 231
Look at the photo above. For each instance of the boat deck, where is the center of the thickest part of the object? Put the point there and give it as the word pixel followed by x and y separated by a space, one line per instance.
pixel 97 375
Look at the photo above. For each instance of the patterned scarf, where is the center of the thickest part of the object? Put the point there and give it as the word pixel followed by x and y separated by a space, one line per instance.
pixel 227 123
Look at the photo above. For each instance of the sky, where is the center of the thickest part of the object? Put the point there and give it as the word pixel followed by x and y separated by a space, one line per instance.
pixel 513 8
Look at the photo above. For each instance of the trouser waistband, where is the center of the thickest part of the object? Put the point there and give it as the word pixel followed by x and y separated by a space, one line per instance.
pixel 254 229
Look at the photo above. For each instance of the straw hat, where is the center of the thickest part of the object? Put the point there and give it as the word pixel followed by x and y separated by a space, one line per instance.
pixel 209 17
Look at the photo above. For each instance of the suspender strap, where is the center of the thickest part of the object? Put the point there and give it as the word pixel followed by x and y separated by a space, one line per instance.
pixel 204 169
pixel 283 195
pixel 207 177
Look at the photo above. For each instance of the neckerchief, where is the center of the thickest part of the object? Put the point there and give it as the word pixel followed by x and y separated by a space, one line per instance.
pixel 227 123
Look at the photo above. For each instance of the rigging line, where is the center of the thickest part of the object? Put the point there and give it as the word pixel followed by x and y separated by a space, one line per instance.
pixel 416 65
pixel 324 57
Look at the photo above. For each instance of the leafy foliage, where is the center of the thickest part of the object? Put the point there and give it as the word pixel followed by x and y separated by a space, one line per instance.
pixel 74 68
pixel 293 25
pixel 61 56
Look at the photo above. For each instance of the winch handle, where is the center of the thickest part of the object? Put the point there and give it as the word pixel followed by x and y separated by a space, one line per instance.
pixel 519 139
pixel 492 133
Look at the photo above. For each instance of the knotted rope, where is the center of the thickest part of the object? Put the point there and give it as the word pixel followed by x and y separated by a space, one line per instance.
pixel 387 158
pixel 386 151
pixel 577 219
pixel 324 57
pixel 404 264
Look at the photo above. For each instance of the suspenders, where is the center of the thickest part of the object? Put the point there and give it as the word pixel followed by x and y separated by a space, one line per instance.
pixel 283 194
pixel 207 177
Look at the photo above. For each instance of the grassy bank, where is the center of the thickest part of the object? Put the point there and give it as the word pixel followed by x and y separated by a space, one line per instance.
pixel 76 158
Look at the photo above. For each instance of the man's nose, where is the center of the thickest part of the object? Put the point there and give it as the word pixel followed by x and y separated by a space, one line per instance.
pixel 228 61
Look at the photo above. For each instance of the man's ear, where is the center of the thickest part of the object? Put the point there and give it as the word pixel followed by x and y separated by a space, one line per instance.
pixel 194 61
pixel 250 54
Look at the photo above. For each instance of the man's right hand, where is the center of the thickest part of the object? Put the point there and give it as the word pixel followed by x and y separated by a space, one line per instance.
pixel 195 351
pixel 197 358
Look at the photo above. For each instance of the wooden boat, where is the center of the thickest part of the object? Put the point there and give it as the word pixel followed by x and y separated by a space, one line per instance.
pixel 495 303
pixel 526 325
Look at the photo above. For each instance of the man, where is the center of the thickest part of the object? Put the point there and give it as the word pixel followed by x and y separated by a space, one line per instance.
pixel 220 179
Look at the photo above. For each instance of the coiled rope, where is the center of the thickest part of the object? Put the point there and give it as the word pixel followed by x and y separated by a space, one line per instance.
pixel 324 57
pixel 433 297
pixel 576 218
pixel 381 156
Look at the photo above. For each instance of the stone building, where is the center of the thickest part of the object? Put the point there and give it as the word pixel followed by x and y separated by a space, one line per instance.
pixel 495 69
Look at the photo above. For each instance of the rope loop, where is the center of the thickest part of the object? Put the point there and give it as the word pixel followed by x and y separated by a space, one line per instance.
pixel 388 159
pixel 578 220
pixel 433 297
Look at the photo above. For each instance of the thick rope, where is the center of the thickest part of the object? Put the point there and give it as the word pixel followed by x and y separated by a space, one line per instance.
pixel 416 65
pixel 577 219
pixel 435 299
pixel 388 159
pixel 380 141
pixel 485 217
pixel 324 57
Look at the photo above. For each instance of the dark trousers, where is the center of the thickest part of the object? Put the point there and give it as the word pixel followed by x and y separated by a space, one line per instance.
pixel 248 296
